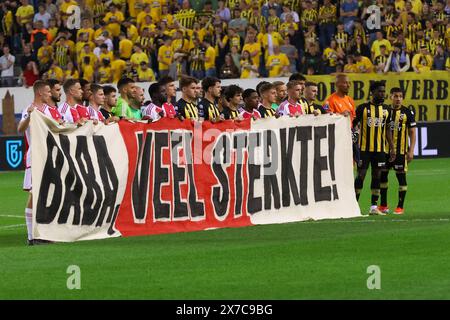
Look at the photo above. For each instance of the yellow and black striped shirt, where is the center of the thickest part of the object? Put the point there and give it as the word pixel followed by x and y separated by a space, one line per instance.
pixel 360 32
pixel 372 120
pixel 441 27
pixel 62 55
pixel 294 5
pixel 196 65
pixel 145 42
pixel 308 16
pixel 391 29
pixel 275 21
pixel 341 40
pixel 186 17
pixel 231 4
pixel 411 31
pixel 246 14
pixel 421 42
pixel 230 114
pixel 429 34
pixel 208 110
pixel 380 59
pixel 259 21
pixel 434 43
pixel 311 107
pixel 188 110
pixel 328 10
pixel 399 122
pixel 266 113
pixel 99 10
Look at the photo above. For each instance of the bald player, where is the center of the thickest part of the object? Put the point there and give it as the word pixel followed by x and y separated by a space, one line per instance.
pixel 340 102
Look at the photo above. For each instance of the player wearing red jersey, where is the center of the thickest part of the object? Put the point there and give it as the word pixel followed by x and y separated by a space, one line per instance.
pixel 42 97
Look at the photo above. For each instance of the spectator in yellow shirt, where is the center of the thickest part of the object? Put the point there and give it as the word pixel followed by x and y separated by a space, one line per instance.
pixel 380 41
pixel 277 63
pixel 147 23
pixel 141 16
pixel 104 53
pixel 71 72
pixel 248 69
pixel 117 66
pixel 145 74
pixel 105 72
pixel 125 47
pixel 330 57
pixel 87 69
pixel 350 67
pixel 86 28
pixel 155 10
pixel 83 40
pixel 132 32
pixel 165 57
pixel 422 61
pixel 24 14
pixel 363 64
pixel 284 27
pixel 166 16
pixel 114 18
pixel 253 47
pixel 271 39
pixel 55 72
pixel 134 7
pixel 209 58
pixel 87 53
pixel 45 52
pixel 138 56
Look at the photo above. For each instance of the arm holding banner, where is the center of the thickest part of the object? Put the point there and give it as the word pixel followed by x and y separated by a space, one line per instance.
pixel 25 122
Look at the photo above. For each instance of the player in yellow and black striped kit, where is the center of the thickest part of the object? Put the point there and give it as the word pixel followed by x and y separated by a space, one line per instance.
pixel 186 106
pixel 233 95
pixel 371 117
pixel 402 124
pixel 207 108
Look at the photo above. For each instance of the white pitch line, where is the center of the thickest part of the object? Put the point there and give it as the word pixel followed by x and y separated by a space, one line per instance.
pixel 382 221
pixel 12 226
pixel 10 216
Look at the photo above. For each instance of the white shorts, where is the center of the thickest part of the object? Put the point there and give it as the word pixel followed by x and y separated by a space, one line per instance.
pixel 27 180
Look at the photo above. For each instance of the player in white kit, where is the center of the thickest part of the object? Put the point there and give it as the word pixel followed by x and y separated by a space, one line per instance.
pixel 42 99
pixel 96 100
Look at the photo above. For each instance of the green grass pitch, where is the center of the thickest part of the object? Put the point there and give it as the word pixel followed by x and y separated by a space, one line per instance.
pixel 307 260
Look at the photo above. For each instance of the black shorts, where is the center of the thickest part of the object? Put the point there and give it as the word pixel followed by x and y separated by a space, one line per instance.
pixel 376 159
pixel 399 164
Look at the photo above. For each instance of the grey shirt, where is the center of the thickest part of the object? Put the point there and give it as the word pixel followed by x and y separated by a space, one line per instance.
pixel 238 24
pixel 290 51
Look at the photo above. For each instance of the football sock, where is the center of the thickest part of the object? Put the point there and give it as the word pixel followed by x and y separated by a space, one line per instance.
pixel 402 188
pixel 375 188
pixel 28 220
pixel 384 187
pixel 358 186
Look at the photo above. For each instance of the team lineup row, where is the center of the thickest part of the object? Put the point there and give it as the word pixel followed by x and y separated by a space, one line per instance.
pixel 383 135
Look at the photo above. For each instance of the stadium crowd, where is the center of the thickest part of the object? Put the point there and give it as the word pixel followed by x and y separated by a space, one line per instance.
pixel 101 41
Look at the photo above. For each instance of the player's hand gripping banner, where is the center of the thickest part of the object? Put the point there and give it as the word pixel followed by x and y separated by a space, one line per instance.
pixel 126 179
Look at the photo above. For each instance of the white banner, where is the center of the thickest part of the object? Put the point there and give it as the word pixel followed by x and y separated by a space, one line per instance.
pixel 316 169
pixel 79 177
pixel 128 179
